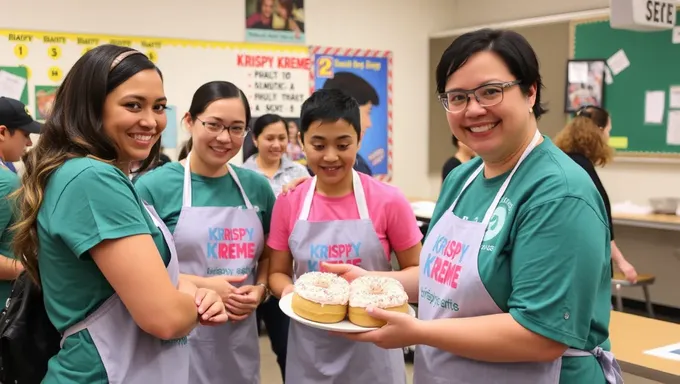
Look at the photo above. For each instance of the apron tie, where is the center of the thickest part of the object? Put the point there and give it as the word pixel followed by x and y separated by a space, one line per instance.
pixel 611 368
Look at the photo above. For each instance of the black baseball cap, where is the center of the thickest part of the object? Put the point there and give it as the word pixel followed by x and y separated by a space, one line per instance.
pixel 14 115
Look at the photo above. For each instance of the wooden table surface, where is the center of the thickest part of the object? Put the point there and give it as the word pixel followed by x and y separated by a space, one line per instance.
pixel 631 335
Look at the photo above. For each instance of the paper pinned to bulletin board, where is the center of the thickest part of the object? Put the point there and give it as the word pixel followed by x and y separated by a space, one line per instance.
pixel 367 76
pixel 275 78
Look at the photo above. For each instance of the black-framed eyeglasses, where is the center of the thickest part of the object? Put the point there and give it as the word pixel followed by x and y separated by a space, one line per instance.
pixel 238 131
pixel 487 95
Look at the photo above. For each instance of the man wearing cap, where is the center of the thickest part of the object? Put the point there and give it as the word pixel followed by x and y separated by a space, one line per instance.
pixel 16 125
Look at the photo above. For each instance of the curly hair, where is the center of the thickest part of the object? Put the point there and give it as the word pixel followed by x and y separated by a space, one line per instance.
pixel 584 135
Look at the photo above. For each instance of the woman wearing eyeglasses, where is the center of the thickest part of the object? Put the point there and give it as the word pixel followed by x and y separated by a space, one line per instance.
pixel 513 284
pixel 586 140
pixel 220 216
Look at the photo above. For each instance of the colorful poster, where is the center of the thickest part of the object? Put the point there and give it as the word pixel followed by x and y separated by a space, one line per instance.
pixel 44 100
pixel 366 75
pixel 278 21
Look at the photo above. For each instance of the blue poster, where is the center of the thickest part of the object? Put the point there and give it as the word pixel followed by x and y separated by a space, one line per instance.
pixel 364 75
pixel 169 135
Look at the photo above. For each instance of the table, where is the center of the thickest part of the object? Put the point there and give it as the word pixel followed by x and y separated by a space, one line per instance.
pixel 631 335
pixel 654 221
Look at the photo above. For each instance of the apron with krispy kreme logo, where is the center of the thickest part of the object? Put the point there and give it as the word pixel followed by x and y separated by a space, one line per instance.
pixel 314 356
pixel 469 299
pixel 214 241
pixel 130 355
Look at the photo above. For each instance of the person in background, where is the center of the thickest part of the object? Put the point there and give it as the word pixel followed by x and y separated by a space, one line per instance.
pixel 270 136
pixel 106 264
pixel 16 127
pixel 366 96
pixel 463 155
pixel 514 278
pixel 294 149
pixel 586 140
pixel 262 19
pixel 339 206
pixel 219 215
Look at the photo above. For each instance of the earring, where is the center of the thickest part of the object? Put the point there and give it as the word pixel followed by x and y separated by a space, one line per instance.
pixel 531 110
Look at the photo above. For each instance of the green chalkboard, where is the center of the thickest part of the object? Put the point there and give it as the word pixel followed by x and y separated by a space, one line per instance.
pixel 21 72
pixel 654 66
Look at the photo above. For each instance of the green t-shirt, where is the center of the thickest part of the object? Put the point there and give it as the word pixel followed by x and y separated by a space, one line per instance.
pixel 86 202
pixel 163 188
pixel 9 182
pixel 545 256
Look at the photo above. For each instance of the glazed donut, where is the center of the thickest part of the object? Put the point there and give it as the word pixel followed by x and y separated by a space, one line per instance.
pixel 321 297
pixel 377 291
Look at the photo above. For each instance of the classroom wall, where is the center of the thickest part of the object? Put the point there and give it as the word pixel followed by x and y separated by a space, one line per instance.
pixel 626 180
pixel 402 26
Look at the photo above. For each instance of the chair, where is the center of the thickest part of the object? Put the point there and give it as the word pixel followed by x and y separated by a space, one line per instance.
pixel 619 281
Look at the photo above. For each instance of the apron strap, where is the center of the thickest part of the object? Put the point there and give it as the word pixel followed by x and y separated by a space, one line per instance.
pixel 501 191
pixel 359 197
pixel 186 193
pixel 610 367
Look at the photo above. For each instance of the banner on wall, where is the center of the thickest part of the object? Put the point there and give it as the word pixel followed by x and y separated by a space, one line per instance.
pixel 366 75
pixel 278 21
pixel 275 78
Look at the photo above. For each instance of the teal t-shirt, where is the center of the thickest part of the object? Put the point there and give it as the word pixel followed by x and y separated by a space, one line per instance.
pixel 86 202
pixel 545 258
pixel 9 182
pixel 163 188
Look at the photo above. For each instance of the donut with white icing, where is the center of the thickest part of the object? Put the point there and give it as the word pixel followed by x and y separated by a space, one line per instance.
pixel 321 297
pixel 377 291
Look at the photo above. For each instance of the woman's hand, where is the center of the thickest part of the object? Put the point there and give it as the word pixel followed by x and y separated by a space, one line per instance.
pixel 291 186
pixel 223 284
pixel 289 289
pixel 348 272
pixel 401 330
pixel 210 307
pixel 244 300
pixel 628 271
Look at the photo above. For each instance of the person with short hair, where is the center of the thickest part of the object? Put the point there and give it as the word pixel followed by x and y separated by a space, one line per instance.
pixel 514 280
pixel 339 206
pixel 16 127
pixel 586 140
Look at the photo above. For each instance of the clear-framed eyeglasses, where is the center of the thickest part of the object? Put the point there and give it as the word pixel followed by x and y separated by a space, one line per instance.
pixel 487 95
pixel 238 131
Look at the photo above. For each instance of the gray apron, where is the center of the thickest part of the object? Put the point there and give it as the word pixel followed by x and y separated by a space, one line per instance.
pixel 218 241
pixel 130 355
pixel 434 366
pixel 314 356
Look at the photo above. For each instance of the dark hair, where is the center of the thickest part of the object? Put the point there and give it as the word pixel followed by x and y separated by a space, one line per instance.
pixel 260 124
pixel 354 86
pixel 510 46
pixel 598 115
pixel 454 140
pixel 208 93
pixel 74 129
pixel 329 106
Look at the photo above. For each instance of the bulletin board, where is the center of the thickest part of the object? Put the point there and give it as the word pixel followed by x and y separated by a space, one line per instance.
pixel 373 67
pixel 642 85
pixel 275 78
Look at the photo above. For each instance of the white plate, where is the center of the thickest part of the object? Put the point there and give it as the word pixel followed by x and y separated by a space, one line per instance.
pixel 344 326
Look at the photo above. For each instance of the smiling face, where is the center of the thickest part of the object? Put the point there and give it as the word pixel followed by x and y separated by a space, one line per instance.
pixel 134 115
pixel 214 150
pixel 497 131
pixel 272 142
pixel 331 149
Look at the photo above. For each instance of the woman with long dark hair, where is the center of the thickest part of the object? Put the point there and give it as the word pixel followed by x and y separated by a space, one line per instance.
pixel 107 265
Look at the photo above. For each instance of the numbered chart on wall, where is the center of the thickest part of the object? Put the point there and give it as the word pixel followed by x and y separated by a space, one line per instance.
pixel 275 78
